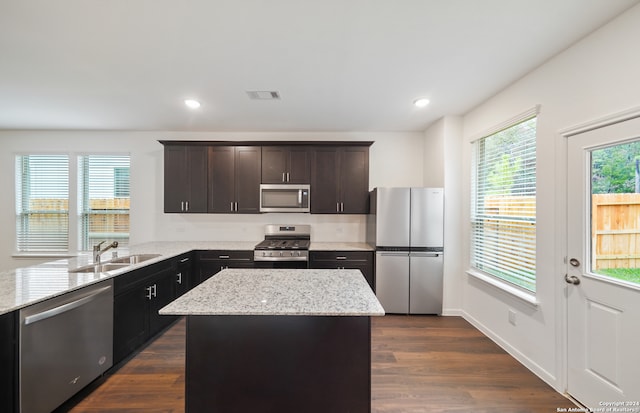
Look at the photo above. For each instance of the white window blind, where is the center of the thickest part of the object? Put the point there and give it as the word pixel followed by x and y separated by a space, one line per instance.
pixel 503 211
pixel 42 203
pixel 103 199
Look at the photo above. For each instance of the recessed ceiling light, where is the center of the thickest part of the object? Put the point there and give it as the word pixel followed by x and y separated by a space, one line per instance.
pixel 193 104
pixel 421 102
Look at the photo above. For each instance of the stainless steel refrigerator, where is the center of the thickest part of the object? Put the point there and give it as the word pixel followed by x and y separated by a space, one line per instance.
pixel 407 227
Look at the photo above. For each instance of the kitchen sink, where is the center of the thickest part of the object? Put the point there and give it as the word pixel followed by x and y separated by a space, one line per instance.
pixel 134 259
pixel 101 267
pixel 116 263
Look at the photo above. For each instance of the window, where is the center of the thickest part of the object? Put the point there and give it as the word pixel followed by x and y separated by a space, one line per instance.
pixel 42 203
pixel 503 211
pixel 103 199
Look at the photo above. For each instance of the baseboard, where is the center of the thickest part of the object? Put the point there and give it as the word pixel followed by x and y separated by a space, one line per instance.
pixel 452 312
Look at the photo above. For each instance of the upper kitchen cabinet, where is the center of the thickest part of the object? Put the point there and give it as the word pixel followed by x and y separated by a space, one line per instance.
pixel 340 179
pixel 185 178
pixel 234 179
pixel 285 164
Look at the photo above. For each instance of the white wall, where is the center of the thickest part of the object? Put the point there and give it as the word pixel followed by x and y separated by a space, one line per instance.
pixel 396 159
pixel 443 140
pixel 596 77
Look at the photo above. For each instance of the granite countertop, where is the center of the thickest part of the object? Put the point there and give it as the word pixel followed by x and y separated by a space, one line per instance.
pixel 25 286
pixel 340 246
pixel 280 292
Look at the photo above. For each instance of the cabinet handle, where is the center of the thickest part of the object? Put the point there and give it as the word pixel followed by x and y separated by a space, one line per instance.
pixel 184 259
pixel 155 290
pixel 149 294
pixel 182 206
pixel 288 177
pixel 231 207
pixel 337 206
pixel 179 280
pixel 341 206
pixel 341 258
pixel 186 206
pixel 284 179
pixel 223 257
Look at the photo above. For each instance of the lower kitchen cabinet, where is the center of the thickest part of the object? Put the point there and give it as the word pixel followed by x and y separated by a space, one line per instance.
pixel 357 260
pixel 8 354
pixel 139 295
pixel 183 280
pixel 212 262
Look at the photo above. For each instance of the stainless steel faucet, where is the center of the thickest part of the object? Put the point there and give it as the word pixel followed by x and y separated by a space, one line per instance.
pixel 97 252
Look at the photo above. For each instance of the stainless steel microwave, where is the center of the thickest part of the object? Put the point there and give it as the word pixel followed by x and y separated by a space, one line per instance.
pixel 284 197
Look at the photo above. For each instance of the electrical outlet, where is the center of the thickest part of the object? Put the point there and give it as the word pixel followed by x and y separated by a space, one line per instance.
pixel 512 317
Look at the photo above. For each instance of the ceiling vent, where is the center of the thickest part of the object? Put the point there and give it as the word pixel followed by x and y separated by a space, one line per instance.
pixel 263 94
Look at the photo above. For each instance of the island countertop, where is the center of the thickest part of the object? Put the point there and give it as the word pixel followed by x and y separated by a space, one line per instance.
pixel 306 292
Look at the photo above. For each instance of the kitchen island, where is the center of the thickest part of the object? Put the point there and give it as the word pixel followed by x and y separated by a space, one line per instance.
pixel 273 340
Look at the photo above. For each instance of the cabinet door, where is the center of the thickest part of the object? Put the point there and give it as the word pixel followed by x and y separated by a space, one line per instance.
pixel 183 281
pixel 162 294
pixel 354 180
pixel 196 157
pixel 7 361
pixel 324 180
pixel 247 183
pixel 221 179
pixel 130 322
pixel 299 165
pixel 175 178
pixel 274 164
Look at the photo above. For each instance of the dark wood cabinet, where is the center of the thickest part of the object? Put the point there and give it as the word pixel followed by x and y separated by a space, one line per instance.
pixel 8 353
pixel 185 179
pixel 234 179
pixel 340 180
pixel 358 260
pixel 183 280
pixel 286 164
pixel 138 295
pixel 212 262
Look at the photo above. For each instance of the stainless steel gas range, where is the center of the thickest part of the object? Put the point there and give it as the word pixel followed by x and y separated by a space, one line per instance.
pixel 284 246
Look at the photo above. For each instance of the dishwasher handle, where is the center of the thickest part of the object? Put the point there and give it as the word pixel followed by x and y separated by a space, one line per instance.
pixel 64 308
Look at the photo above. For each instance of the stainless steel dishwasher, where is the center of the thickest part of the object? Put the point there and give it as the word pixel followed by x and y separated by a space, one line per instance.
pixel 65 343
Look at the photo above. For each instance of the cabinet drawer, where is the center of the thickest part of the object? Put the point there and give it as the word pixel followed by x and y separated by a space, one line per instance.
pixel 341 255
pixel 132 279
pixel 224 255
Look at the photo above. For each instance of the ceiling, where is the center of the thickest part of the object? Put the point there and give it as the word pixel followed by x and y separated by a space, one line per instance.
pixel 339 65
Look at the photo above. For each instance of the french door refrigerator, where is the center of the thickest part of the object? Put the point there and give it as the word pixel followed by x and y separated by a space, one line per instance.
pixel 407 226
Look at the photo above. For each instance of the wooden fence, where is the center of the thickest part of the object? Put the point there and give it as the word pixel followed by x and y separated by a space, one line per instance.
pixel 615 231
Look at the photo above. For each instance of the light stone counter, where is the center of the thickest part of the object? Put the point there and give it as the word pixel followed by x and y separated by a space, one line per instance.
pixel 340 246
pixel 280 292
pixel 25 286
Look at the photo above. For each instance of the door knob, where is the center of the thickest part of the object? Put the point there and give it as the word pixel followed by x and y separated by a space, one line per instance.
pixel 571 279
pixel 574 262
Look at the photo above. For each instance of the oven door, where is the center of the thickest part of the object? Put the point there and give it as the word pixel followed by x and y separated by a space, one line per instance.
pixel 284 198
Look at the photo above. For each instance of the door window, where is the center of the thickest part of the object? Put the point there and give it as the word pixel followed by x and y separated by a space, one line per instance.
pixel 615 212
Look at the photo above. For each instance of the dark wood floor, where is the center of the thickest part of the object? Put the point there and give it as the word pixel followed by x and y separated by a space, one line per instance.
pixel 419 364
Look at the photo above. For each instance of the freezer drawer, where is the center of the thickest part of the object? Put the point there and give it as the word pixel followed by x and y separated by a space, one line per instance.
pixel 425 285
pixel 392 281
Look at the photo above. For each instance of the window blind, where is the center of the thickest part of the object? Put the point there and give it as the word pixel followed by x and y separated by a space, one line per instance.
pixel 503 211
pixel 103 199
pixel 42 203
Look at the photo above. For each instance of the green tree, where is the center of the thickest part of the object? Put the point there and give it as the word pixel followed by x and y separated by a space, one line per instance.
pixel 613 169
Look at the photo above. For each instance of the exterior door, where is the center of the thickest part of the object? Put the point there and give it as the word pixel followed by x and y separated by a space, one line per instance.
pixel 603 269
